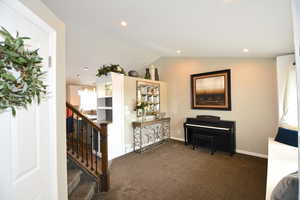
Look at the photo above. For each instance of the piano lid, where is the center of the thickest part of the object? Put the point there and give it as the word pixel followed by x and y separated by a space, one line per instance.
pixel 208 118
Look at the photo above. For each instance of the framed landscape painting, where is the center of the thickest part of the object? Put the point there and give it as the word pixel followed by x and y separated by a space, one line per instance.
pixel 211 90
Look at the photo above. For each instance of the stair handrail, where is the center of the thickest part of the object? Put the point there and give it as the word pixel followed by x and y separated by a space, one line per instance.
pixel 102 130
pixel 77 112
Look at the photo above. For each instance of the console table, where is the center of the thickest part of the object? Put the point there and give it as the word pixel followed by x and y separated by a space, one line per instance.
pixel 148 133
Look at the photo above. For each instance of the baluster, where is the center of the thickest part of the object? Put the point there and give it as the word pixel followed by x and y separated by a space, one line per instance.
pixel 68 134
pixel 68 138
pixel 77 137
pixel 82 133
pixel 86 145
pixel 72 132
pixel 96 155
pixel 92 144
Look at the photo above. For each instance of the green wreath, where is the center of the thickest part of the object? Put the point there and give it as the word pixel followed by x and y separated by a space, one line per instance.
pixel 21 75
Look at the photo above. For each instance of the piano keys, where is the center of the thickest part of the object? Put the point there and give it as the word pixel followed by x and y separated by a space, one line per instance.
pixel 223 130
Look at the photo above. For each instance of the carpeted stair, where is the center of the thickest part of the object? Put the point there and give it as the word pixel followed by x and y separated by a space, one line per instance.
pixel 80 185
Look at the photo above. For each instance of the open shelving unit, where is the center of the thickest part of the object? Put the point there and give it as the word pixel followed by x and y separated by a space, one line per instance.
pixel 148 92
pixel 104 108
pixel 110 108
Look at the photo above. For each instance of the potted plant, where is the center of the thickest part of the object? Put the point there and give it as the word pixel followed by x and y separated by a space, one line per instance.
pixel 143 107
pixel 105 69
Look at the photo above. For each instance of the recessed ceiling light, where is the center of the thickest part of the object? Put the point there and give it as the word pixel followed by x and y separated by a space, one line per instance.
pixel 178 51
pixel 246 50
pixel 86 68
pixel 123 23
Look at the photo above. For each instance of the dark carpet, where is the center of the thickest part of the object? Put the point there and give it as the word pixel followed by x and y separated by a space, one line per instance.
pixel 176 172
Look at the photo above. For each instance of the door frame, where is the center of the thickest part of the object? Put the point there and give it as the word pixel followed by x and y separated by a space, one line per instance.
pixel 39 14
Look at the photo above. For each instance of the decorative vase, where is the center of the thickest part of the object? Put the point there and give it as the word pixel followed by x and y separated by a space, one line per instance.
pixel 147 75
pixel 152 72
pixel 133 73
pixel 156 74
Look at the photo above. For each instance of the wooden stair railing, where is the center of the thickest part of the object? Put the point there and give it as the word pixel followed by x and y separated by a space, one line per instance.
pixel 83 137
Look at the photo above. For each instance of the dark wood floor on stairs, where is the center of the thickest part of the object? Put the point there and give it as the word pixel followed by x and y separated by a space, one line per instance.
pixel 174 171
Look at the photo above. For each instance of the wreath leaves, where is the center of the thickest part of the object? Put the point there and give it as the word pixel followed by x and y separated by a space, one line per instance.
pixel 21 75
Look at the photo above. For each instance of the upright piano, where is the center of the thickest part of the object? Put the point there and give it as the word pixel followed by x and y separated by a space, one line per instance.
pixel 223 130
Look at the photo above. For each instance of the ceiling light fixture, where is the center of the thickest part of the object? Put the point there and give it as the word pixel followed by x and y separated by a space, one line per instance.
pixel 178 51
pixel 245 50
pixel 123 23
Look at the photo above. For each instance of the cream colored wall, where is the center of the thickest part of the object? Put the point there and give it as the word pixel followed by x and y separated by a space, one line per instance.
pixel 254 96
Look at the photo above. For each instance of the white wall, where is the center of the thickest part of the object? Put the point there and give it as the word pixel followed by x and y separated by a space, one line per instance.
pixel 254 96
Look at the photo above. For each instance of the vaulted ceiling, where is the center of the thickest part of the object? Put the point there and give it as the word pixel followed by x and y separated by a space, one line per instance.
pixel 158 28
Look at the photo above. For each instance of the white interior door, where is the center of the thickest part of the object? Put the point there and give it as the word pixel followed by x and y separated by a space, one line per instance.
pixel 26 171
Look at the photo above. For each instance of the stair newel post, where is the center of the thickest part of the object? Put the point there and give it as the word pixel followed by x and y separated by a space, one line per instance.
pixel 104 157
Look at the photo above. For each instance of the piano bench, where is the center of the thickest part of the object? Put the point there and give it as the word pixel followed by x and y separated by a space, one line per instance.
pixel 197 138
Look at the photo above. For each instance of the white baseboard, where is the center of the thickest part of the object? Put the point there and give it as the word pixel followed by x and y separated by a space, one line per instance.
pixel 238 150
pixel 252 153
pixel 178 139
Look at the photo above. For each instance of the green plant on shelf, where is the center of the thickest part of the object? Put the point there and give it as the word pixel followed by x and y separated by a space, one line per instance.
pixel 142 105
pixel 105 69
